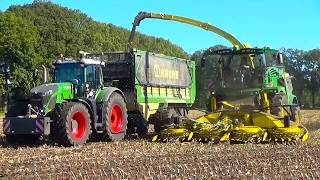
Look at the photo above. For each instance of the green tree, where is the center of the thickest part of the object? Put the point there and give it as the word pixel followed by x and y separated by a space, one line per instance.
pixel 18 42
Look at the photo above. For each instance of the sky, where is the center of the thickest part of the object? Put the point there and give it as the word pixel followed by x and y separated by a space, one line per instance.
pixel 272 23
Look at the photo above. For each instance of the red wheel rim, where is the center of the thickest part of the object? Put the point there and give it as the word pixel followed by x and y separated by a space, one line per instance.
pixel 78 125
pixel 116 119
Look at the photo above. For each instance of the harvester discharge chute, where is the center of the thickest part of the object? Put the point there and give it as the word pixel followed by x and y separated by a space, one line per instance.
pixel 252 100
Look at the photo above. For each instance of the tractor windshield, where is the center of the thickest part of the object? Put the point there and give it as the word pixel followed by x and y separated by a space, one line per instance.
pixel 69 71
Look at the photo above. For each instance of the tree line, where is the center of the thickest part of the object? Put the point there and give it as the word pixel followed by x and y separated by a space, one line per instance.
pixel 36 34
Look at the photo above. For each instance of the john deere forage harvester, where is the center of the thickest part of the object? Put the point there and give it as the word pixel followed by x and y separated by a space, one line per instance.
pixel 244 75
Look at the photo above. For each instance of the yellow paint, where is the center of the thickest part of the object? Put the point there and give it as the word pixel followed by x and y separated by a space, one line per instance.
pixel 265 102
pixel 225 137
pixel 148 110
pixel 264 120
pixel 154 138
pixel 305 137
pixel 190 136
pixel 213 104
pixel 265 135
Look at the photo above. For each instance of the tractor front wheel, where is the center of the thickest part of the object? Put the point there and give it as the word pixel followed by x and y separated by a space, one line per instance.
pixel 72 126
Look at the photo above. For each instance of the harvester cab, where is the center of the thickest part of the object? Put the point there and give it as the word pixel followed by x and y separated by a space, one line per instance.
pixel 245 76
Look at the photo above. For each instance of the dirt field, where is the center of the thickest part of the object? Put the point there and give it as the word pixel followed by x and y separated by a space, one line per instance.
pixel 137 159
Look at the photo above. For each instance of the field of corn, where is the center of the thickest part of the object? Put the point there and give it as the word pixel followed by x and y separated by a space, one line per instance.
pixel 139 159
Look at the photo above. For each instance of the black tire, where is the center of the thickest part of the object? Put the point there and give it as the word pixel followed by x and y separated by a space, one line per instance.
pixel 296 113
pixel 142 128
pixel 131 127
pixel 65 117
pixel 163 119
pixel 276 102
pixel 118 132
pixel 137 125
pixel 28 139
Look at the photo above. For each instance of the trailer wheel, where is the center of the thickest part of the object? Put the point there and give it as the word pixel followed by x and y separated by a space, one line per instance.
pixel 71 124
pixel 137 124
pixel 142 128
pixel 115 118
pixel 163 119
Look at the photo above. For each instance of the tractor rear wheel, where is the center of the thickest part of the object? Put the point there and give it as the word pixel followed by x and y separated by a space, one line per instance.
pixel 71 124
pixel 115 118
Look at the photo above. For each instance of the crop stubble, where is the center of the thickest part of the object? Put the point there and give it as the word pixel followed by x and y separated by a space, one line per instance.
pixel 135 159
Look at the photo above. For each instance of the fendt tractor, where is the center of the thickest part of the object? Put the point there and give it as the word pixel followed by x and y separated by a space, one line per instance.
pixel 104 96
pixel 252 101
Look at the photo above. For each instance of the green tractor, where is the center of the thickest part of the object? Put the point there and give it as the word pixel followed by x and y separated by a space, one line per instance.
pixel 72 108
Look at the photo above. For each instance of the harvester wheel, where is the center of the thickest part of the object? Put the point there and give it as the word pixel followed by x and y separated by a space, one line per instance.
pixel 276 102
pixel 71 124
pixel 296 113
pixel 115 118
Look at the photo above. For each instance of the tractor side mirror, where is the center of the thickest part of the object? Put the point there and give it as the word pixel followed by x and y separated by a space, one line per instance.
pixel 203 62
pixel 35 74
pixel 280 58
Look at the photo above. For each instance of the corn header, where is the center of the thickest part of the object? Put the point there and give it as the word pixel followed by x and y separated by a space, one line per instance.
pixel 252 100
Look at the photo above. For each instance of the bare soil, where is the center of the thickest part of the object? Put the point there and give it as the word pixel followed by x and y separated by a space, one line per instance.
pixel 140 159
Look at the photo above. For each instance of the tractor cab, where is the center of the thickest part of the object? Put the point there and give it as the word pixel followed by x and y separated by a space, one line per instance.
pixel 85 75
